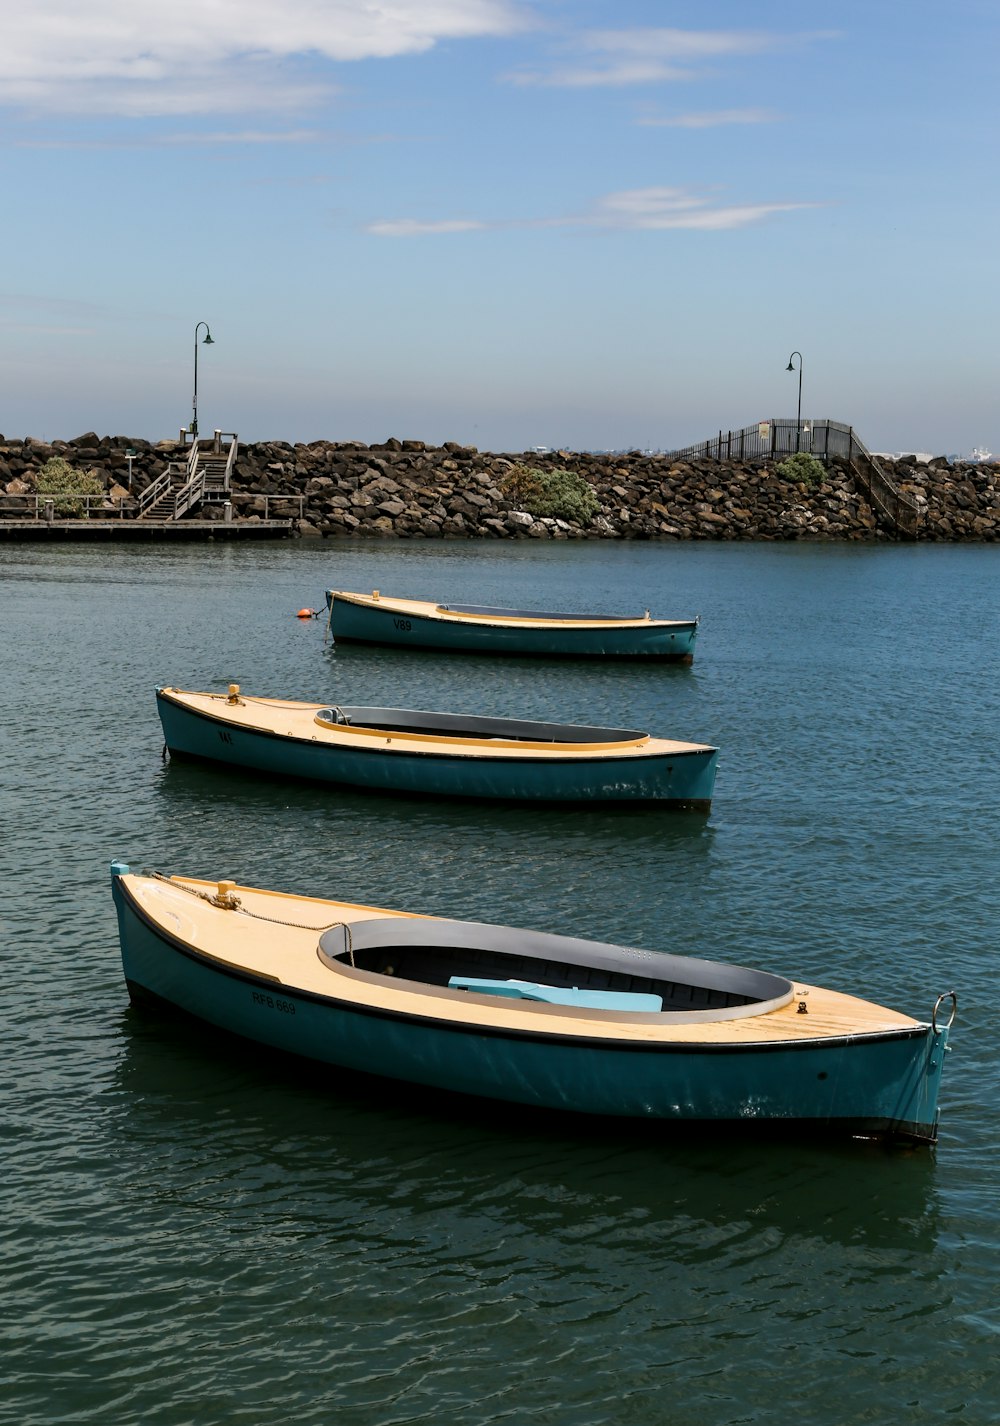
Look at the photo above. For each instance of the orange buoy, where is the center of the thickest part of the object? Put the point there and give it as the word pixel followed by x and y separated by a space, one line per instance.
pixel 306 614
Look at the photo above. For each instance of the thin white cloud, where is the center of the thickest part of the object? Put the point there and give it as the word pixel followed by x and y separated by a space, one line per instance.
pixel 63 308
pixel 662 208
pixel 201 90
pixel 155 57
pixel 608 76
pixel 606 58
pixel 245 136
pixel 414 228
pixel 711 119
pixel 37 329
pixel 250 137
pixel 680 45
pixel 657 208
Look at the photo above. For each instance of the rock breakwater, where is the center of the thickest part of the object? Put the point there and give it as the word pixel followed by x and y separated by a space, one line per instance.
pixel 406 488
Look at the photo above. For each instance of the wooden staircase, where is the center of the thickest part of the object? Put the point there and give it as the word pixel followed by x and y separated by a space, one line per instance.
pixel 158 503
pixel 206 475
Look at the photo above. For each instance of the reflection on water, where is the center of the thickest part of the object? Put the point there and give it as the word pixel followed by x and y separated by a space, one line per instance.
pixel 516 688
pixel 453 858
pixel 187 787
pixel 179 1085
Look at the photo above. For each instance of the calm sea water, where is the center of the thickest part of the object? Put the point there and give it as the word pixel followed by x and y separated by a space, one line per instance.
pixel 191 1233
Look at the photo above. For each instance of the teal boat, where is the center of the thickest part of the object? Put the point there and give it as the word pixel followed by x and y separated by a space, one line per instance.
pixel 527 1017
pixel 437 754
pixel 480 628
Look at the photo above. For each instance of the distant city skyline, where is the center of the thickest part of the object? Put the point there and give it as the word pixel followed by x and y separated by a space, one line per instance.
pixel 509 223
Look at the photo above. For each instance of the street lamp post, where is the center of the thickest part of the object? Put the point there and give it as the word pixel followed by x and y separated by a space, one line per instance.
pixel 798 418
pixel 207 341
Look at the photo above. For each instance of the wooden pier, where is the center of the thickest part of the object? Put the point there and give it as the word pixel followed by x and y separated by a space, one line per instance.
pixel 145 531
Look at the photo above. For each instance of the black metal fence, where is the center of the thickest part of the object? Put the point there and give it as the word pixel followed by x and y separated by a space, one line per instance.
pixel 774 439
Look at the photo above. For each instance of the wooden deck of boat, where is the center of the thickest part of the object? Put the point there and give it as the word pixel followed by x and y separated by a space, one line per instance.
pixel 423 609
pixel 291 719
pixel 275 935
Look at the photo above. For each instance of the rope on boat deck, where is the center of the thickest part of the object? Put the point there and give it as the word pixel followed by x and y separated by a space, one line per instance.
pixel 226 901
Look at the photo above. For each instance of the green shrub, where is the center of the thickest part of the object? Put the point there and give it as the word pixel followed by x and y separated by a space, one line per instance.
pixel 802 468
pixel 561 494
pixel 58 477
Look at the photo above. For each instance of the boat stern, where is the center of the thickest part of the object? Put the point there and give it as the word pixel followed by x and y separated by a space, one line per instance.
pixel 917 1117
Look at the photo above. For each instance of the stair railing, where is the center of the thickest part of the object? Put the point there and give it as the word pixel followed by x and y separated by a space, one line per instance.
pixel 824 439
pixel 201 479
pixel 189 495
pixel 195 480
pixel 882 494
pixel 231 458
pixel 149 497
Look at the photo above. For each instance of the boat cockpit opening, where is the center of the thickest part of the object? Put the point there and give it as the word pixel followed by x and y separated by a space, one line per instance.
pixel 456 725
pixel 547 615
pixel 472 956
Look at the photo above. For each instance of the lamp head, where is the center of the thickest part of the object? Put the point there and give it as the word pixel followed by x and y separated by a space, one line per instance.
pixel 207 340
pixel 789 367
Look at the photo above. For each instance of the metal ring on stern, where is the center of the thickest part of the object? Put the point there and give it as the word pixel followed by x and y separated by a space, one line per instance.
pixel 948 995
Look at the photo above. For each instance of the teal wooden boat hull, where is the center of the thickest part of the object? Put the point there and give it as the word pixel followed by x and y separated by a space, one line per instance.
pixel 882 1085
pixel 672 774
pixel 418 625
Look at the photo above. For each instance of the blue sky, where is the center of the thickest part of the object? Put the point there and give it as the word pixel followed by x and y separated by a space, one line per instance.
pixel 506 222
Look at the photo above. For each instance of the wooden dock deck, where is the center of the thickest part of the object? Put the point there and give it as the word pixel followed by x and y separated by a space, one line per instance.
pixel 141 530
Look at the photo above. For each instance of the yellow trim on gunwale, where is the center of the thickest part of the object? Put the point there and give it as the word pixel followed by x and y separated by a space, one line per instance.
pixel 425 609
pixel 279 939
pixel 294 719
